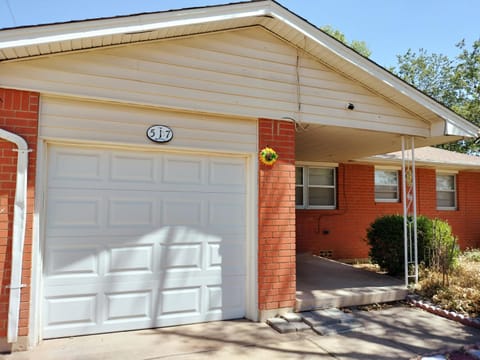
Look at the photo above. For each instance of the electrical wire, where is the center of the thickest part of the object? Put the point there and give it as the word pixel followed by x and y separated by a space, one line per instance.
pixel 7 2
pixel 298 123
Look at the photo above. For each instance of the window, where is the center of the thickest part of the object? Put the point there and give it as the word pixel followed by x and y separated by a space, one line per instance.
pixel 446 191
pixel 386 185
pixel 299 187
pixel 315 187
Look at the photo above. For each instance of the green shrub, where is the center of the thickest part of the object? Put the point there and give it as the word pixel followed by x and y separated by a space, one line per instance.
pixel 444 249
pixel 386 240
pixel 385 237
pixel 424 239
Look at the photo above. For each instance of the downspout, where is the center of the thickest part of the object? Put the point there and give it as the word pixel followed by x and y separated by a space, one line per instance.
pixel 18 238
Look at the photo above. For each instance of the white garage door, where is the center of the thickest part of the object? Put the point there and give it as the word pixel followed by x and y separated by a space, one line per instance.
pixel 142 239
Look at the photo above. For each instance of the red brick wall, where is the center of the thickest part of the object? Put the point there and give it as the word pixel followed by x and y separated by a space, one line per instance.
pixel 342 231
pixel 465 221
pixel 18 114
pixel 276 214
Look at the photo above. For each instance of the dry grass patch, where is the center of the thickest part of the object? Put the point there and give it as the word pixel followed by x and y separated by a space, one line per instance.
pixel 462 294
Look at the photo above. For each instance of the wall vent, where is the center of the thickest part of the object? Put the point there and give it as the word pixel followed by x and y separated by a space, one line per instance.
pixel 326 253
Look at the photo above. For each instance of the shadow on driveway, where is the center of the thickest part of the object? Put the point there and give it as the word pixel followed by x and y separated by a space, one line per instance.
pixel 398 332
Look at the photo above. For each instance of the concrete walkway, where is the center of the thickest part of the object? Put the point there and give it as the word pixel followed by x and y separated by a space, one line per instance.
pixel 398 332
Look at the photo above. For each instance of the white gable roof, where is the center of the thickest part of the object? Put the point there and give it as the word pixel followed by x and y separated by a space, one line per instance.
pixel 27 42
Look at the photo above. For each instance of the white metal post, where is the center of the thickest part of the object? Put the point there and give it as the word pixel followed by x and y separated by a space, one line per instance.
pixel 414 194
pixel 405 212
pixel 409 188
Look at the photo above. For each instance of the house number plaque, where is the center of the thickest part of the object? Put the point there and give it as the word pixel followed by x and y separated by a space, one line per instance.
pixel 159 133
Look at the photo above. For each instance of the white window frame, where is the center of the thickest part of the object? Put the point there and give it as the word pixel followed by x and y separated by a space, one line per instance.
pixel 306 186
pixel 454 190
pixel 389 169
pixel 301 186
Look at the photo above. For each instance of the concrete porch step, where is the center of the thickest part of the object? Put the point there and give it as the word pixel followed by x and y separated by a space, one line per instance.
pixel 323 322
pixel 347 297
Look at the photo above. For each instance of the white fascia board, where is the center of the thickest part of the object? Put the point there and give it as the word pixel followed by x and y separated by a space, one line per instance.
pixel 455 129
pixel 454 124
pixel 379 166
pixel 317 164
pixel 38 35
pixel 382 162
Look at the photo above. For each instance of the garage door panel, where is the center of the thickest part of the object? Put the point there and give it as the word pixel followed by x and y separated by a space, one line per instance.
pixel 229 255
pixel 184 300
pixel 67 261
pixel 80 165
pixel 181 257
pixel 225 211
pixel 214 256
pixel 129 169
pixel 131 210
pixel 228 173
pixel 142 240
pixel 183 170
pixel 180 188
pixel 128 306
pixel 112 281
pixel 71 308
pixel 228 301
pixel 129 259
pixel 102 234
pixel 214 298
pixel 73 210
pixel 87 168
pixel 59 314
pixel 179 211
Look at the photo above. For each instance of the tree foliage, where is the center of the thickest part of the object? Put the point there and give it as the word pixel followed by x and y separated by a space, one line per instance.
pixel 359 46
pixel 453 82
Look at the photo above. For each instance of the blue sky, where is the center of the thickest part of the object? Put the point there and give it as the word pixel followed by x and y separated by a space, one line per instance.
pixel 389 27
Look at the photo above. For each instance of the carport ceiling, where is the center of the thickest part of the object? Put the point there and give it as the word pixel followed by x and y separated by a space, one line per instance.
pixel 320 143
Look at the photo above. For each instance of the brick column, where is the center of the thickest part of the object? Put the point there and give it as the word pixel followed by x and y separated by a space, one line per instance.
pixel 19 115
pixel 276 232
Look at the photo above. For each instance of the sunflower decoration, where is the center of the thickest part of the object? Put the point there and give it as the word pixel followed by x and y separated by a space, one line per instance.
pixel 268 156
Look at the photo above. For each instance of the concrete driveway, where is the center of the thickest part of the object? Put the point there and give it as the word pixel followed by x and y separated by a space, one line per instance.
pixel 398 332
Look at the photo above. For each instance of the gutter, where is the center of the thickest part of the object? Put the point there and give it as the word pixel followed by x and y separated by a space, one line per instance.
pixel 18 238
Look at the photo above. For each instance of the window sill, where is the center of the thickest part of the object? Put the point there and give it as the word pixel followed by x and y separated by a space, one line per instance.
pixel 316 208
pixel 393 201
